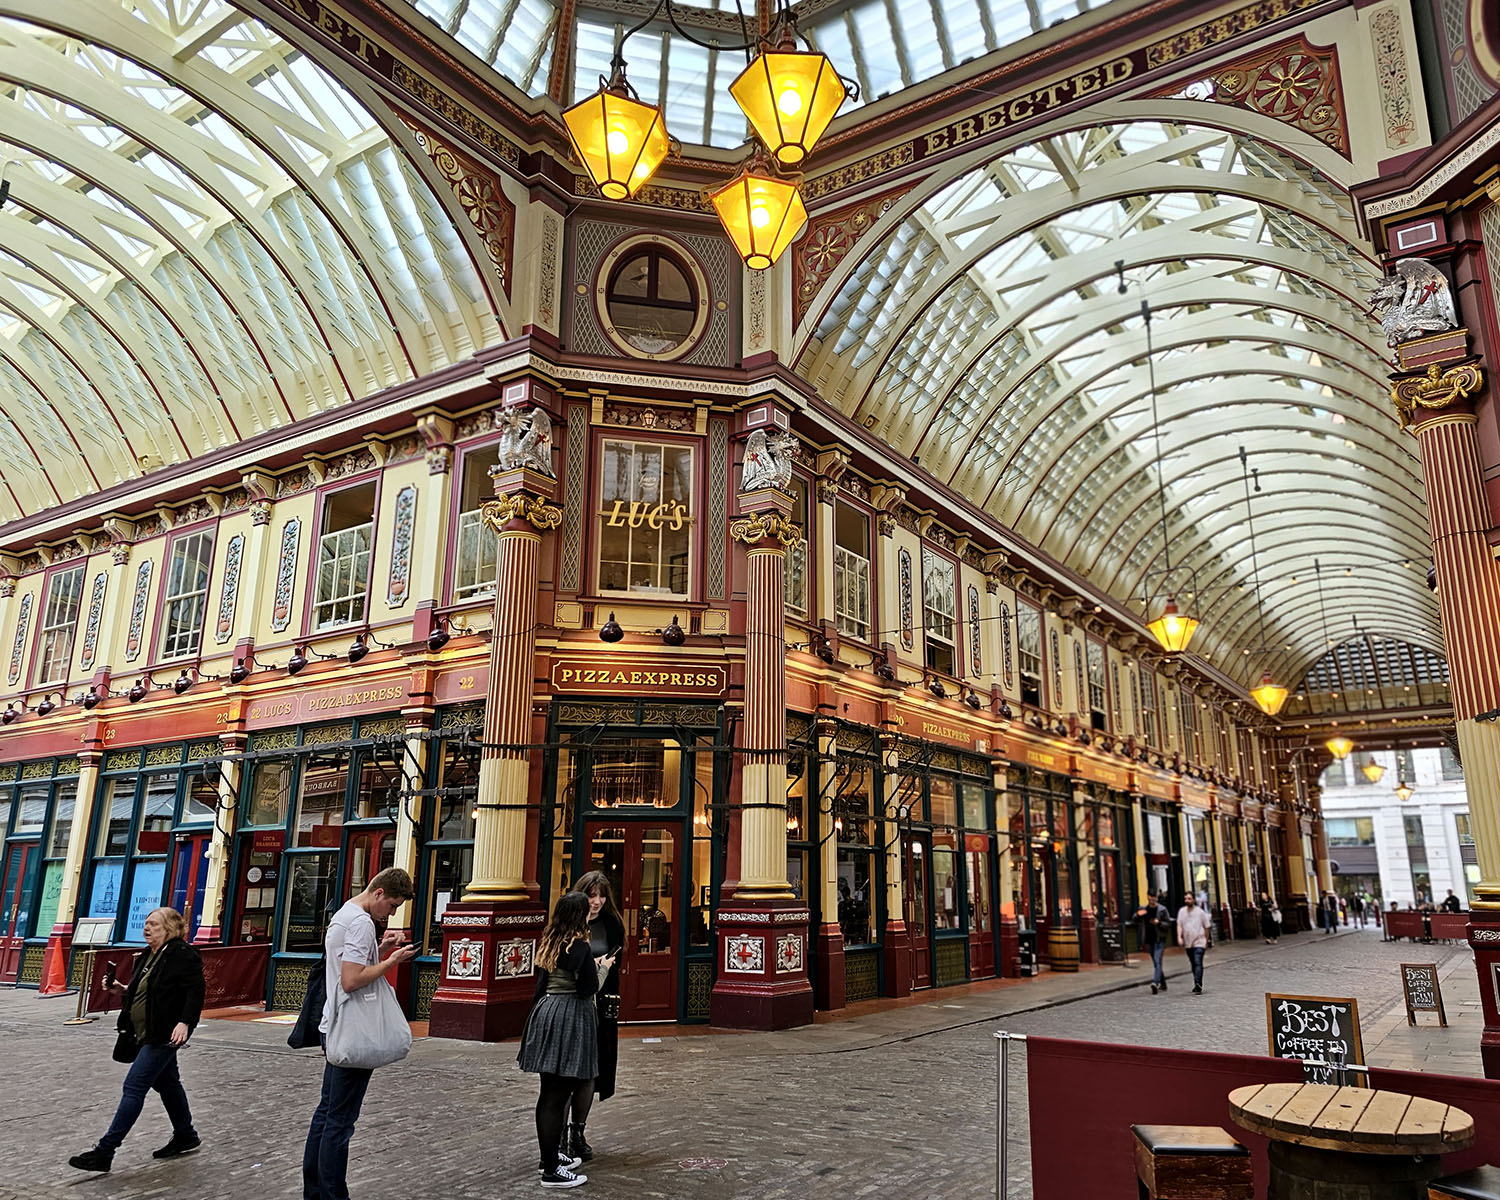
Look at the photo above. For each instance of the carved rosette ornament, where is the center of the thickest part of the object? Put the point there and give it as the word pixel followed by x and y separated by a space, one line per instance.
pixel 759 527
pixel 504 511
pixel 7 588
pixel 1436 389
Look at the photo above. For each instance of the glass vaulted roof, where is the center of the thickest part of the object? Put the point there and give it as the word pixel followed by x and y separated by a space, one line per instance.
pixel 883 46
pixel 207 237
pixel 988 337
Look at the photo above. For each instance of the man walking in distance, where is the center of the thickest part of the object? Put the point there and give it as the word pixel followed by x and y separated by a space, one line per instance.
pixel 1193 930
pixel 1154 921
pixel 355 960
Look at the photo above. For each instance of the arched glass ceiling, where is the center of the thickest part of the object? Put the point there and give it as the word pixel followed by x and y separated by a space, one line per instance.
pixel 986 336
pixel 884 46
pixel 1370 673
pixel 206 237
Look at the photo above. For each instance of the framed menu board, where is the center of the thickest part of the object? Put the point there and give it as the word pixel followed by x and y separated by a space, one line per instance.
pixel 1419 984
pixel 1322 1028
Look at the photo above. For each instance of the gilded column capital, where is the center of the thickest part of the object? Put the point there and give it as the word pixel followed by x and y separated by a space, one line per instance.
pixel 1435 389
pixel 762 526
pixel 504 511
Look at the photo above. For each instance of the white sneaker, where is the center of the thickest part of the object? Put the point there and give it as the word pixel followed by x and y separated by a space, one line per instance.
pixel 563 1177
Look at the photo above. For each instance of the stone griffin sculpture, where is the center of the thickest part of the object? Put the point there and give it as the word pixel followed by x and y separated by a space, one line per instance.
pixel 1414 301
pixel 525 441
pixel 768 461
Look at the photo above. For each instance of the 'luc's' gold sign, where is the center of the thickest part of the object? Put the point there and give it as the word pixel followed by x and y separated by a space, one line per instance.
pixel 669 514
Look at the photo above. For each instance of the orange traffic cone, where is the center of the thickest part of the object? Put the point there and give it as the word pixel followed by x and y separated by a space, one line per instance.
pixel 55 971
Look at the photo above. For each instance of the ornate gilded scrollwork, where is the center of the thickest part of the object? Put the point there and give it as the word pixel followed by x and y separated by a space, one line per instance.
pixel 501 511
pixel 1437 389
pixel 759 526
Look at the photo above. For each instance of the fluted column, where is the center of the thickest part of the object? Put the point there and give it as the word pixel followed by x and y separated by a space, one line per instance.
pixel 519 515
pixel 231 769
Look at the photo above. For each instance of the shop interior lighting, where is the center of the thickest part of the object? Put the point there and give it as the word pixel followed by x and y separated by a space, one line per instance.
pixel 1339 747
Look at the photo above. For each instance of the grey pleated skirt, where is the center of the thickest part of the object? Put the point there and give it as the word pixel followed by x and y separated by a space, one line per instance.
pixel 561 1038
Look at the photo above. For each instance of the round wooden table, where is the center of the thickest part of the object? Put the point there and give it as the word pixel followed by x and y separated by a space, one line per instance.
pixel 1347 1143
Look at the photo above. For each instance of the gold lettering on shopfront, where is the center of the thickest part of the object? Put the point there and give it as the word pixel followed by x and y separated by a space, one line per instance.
pixel 666 515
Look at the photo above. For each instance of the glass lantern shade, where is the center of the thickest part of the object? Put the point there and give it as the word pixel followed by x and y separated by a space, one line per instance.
pixel 761 214
pixel 1269 696
pixel 1404 791
pixel 789 97
pixel 1372 771
pixel 1172 629
pixel 1339 747
pixel 619 140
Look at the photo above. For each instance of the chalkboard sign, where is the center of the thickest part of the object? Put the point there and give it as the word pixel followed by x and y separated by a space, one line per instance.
pixel 1419 982
pixel 1111 943
pixel 1325 1028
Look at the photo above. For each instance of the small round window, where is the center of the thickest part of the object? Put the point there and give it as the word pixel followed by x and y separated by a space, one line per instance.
pixel 652 301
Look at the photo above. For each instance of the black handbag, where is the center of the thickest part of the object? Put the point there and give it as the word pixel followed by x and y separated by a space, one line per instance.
pixel 609 1007
pixel 304 1034
pixel 126 1047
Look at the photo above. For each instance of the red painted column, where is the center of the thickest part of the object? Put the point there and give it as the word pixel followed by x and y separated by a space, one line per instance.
pixel 1437 405
pixel 489 938
pixel 763 928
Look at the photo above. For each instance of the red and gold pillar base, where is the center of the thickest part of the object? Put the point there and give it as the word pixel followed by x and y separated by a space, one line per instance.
pixel 488 970
pixel 895 958
pixel 828 985
pixel 763 980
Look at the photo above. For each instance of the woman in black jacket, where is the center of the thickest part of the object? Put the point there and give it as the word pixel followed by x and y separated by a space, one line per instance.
pixel 160 1011
pixel 606 943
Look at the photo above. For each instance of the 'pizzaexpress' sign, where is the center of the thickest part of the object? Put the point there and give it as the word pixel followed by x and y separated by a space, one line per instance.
pixel 608 676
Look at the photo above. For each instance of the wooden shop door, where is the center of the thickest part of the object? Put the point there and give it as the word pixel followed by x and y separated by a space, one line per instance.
pixel 917 904
pixel 640 862
pixel 189 875
pixel 22 861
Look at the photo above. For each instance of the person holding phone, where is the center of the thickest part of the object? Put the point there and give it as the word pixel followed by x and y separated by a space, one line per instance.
pixel 607 944
pixel 160 1011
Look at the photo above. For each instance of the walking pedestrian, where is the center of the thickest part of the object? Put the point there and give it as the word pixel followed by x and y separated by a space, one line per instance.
pixel 606 944
pixel 357 959
pixel 158 1016
pixel 1358 905
pixel 561 1039
pixel 1330 910
pixel 1153 925
pixel 1270 920
pixel 1194 931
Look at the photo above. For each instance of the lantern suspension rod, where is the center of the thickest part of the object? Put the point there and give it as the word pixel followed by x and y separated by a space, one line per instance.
pixel 617 63
pixel 1260 611
pixel 1161 492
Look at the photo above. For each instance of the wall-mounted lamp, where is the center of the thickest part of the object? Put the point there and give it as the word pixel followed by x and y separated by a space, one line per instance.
pixel 182 682
pixel 138 690
pixel 973 700
pixel 45 706
pixel 240 672
pixel 672 635
pixel 297 661
pixel 935 686
pixel 884 671
pixel 441 633
pixel 9 715
pixel 90 699
pixel 611 630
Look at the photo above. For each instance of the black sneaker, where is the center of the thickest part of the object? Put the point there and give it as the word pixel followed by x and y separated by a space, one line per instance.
pixel 1197 991
pixel 1154 989
pixel 181 1143
pixel 92 1160
pixel 1163 985
pixel 562 1177
pixel 563 1160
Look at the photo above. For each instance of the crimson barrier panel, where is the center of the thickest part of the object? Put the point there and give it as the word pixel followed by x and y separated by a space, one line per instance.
pixel 1406 925
pixel 231 975
pixel 1451 927
pixel 1089 1094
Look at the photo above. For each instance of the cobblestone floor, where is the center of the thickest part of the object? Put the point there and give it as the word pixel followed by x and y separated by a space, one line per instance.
pixel 894 1103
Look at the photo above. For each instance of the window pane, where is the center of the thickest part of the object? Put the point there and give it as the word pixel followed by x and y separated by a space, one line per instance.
pixel 270 793
pixel 310 881
pixel 646 519
pixel 114 825
pixel 62 819
pixel 59 621
pixel 320 803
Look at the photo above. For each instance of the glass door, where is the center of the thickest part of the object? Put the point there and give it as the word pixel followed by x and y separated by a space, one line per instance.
pixel 21 863
pixel 189 874
pixel 917 906
pixel 640 862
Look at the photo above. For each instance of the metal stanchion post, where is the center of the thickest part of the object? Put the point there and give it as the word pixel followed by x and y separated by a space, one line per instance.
pixel 1002 1104
pixel 81 1017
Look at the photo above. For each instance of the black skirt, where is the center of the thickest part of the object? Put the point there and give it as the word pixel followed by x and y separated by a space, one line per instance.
pixel 561 1038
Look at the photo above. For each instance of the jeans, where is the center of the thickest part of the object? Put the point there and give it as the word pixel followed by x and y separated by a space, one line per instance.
pixel 1157 951
pixel 1195 955
pixel 325 1158
pixel 154 1067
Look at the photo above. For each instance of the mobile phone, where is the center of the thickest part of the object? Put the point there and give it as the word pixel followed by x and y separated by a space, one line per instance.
pixel 109 974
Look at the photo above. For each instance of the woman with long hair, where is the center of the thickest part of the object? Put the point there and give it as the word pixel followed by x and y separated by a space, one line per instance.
pixel 606 942
pixel 561 1039
pixel 161 1009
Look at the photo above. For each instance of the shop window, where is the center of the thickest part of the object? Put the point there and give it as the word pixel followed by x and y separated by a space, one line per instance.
pixel 185 594
pixel 114 823
pixel 939 612
pixel 1451 768
pixel 796 582
pixel 947 880
pixel 851 571
pixel 1350 831
pixel 7 804
pixel 344 542
pixel 320 801
pixel 645 519
pixel 798 846
pixel 158 808
pixel 309 900
pixel 270 793
pixel 854 832
pixel 651 301
pixel 1460 820
pixel 478 544
pixel 62 820
pixel 202 799
pixel 943 798
pixel 449 870
pixel 1029 653
pixel 59 623
pixel 1098 696
pixel 31 812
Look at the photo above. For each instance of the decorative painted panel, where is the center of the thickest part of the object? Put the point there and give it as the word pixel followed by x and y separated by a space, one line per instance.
pixel 976 655
pixel 828 240
pixel 229 594
pixel 1005 646
pixel 903 572
pixel 18 647
pixel 575 497
pixel 137 632
pixel 789 953
pixel 286 573
pixel 1080 680
pixel 1393 79
pixel 514 959
pixel 718 498
pixel 91 626
pixel 399 585
pixel 745 954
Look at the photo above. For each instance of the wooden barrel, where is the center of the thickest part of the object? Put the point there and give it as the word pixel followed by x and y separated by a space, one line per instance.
pixel 1062 948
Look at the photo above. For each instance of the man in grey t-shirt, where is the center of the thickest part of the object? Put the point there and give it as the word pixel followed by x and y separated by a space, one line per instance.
pixel 356 959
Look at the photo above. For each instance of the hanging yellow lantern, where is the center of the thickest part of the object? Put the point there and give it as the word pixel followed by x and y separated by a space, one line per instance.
pixel 1372 771
pixel 1404 791
pixel 761 212
pixel 620 140
pixel 1339 747
pixel 1269 696
pixel 1172 629
pixel 789 97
